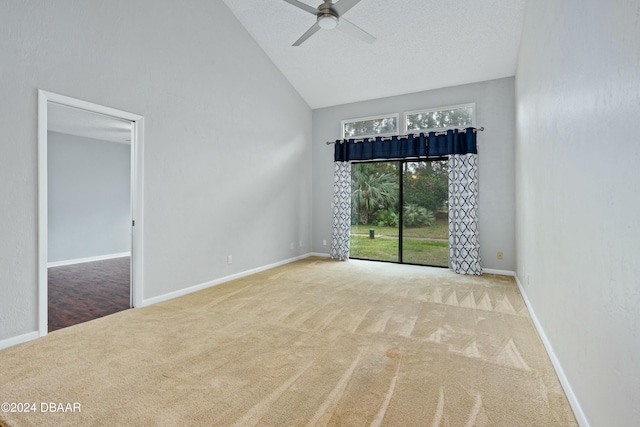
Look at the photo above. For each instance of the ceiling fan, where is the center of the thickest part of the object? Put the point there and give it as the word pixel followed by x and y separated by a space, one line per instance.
pixel 329 16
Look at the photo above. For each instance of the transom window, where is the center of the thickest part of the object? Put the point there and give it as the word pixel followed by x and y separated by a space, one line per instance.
pixel 428 119
pixel 439 118
pixel 387 124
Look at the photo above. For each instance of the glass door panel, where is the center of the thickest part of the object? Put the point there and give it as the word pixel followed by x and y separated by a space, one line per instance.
pixel 425 217
pixel 375 197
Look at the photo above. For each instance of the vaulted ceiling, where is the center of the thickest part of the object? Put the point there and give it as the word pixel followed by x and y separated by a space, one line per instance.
pixel 420 45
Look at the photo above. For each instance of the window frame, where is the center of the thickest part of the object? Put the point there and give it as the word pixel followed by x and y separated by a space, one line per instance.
pixel 472 105
pixel 363 119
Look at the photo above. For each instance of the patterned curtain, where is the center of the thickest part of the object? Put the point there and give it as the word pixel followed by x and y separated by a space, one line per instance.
pixel 341 211
pixel 464 246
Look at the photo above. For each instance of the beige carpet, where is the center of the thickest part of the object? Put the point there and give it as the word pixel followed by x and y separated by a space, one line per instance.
pixel 316 342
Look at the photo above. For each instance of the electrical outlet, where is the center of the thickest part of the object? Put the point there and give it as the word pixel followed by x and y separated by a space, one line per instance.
pixel 499 255
pixel 300 243
pixel 291 247
pixel 324 243
pixel 229 259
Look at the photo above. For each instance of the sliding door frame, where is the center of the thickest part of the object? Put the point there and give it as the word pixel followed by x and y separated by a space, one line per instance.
pixel 401 163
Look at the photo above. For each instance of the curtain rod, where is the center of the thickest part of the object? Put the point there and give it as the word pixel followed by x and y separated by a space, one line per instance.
pixel 481 129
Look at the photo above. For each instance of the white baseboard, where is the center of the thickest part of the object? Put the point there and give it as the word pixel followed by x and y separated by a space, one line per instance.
pixel 10 342
pixel 499 272
pixel 89 259
pixel 319 254
pixel 571 397
pixel 206 285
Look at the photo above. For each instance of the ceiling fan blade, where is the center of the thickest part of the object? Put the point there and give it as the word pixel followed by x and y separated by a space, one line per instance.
pixel 342 6
pixel 305 7
pixel 311 31
pixel 353 30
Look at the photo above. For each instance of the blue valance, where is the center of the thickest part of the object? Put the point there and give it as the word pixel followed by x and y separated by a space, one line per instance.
pixel 420 146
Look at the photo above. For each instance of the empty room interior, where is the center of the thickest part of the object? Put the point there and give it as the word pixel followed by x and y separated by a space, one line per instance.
pixel 282 212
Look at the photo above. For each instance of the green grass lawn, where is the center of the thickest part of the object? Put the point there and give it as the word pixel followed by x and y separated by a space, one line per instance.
pixel 439 230
pixel 384 247
pixel 425 252
pixel 378 249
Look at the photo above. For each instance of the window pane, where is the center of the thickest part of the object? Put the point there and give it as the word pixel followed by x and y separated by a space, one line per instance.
pixel 370 127
pixel 374 211
pixel 425 231
pixel 459 117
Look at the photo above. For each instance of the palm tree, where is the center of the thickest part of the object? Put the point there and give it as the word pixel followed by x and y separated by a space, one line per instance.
pixel 372 189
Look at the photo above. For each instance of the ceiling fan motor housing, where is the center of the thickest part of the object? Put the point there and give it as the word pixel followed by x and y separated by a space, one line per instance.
pixel 327 21
pixel 327 16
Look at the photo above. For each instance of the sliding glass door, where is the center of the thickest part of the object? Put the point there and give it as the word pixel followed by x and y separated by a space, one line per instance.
pixel 425 217
pixel 375 198
pixel 399 212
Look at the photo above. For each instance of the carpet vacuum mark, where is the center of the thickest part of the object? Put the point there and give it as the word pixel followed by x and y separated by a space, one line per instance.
pixel 315 342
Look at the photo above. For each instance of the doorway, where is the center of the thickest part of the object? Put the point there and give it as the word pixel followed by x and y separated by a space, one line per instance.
pixel 400 212
pixel 90 204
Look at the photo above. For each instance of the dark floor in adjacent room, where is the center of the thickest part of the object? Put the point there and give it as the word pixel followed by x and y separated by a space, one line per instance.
pixel 82 292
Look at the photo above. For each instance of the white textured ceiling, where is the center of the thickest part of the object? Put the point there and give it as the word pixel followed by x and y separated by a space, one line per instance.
pixel 421 45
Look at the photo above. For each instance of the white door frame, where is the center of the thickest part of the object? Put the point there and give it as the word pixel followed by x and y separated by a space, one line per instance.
pixel 137 168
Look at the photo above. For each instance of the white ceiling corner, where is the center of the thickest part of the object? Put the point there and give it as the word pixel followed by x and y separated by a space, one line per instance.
pixel 421 45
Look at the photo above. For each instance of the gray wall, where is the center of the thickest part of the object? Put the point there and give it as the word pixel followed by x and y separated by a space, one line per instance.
pixel 227 139
pixel 578 195
pixel 89 197
pixel 494 110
